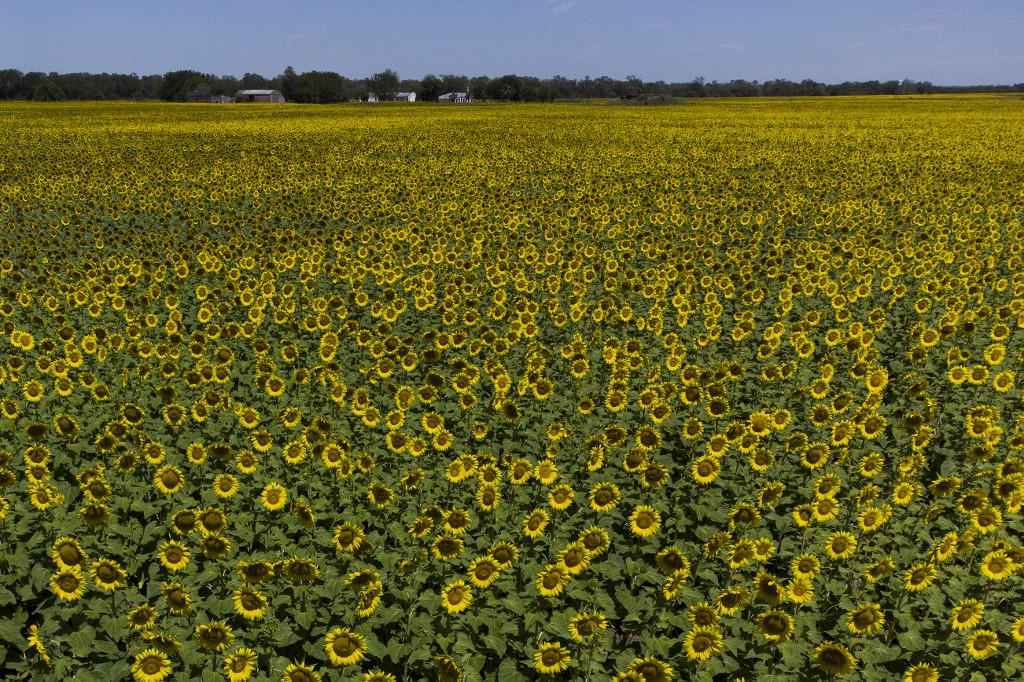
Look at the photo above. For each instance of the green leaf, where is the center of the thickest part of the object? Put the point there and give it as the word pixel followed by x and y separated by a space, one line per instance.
pixel 81 641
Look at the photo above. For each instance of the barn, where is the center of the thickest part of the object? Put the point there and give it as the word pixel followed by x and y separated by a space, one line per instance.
pixel 273 96
pixel 455 98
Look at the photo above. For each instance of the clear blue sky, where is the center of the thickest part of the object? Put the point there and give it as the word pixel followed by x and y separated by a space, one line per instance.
pixel 944 41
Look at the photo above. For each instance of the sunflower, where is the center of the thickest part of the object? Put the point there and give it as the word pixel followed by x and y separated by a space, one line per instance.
pixel 705 470
pixel 731 600
pixel 151 665
pixel 274 496
pixel 561 497
pixel 878 570
pixel 178 599
pixel 505 554
pixel 776 626
pixel 108 575
pixel 966 615
pixel 249 604
pixel 488 497
pixel 922 672
pixel 254 572
pixel 982 644
pixel 1017 630
pixel 586 625
pixel 456 596
pixel 805 566
pixel 918 577
pixel 344 646
pixel 348 538
pixel 68 583
pixel 552 579
pixel 840 545
pixel 644 521
pixel 866 619
pixel 300 672
pixel 142 617
pixel 168 480
pixel 701 644
pixel 240 664
pixel 834 658
pixel 225 486
pixel 214 636
pixel 446 547
pixel 551 658
pixel 66 552
pixel 535 523
pixel 378 676
pixel 483 572
pixel 174 556
pixel 604 496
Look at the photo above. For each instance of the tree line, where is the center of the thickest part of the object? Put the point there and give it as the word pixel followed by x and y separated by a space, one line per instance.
pixel 327 87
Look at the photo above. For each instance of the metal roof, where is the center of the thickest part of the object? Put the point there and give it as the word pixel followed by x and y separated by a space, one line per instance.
pixel 256 92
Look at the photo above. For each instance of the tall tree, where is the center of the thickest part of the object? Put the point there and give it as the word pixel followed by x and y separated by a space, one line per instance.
pixel 384 84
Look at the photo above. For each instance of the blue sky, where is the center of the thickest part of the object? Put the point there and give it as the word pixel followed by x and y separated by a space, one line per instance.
pixel 946 41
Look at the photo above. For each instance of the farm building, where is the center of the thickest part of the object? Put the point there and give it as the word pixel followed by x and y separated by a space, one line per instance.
pixel 455 97
pixel 221 99
pixel 274 96
pixel 399 97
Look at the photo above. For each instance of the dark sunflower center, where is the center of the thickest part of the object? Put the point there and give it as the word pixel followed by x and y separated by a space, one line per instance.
pixel 68 582
pixel 344 645
pixel 550 658
pixel 151 665
pixel 69 554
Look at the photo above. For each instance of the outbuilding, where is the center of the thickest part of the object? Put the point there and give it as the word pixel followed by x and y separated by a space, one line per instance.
pixel 273 96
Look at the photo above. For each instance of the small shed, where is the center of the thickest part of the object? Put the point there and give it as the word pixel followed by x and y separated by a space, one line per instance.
pixel 273 96
pixel 455 98
pixel 405 97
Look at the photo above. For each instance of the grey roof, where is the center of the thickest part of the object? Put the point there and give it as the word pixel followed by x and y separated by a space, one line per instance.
pixel 256 92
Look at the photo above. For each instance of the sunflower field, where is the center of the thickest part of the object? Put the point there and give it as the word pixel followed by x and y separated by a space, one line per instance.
pixel 720 391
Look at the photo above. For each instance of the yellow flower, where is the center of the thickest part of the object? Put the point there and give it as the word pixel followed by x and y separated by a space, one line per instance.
pixel 249 603
pixel 866 619
pixel 966 614
pixel 644 521
pixel 701 644
pixel 551 658
pixel 587 625
pixel 68 583
pixel 274 496
pixel 344 646
pixel 151 665
pixel 997 566
pixel 922 672
pixel 240 665
pixel 214 636
pixel 456 596
pixel 982 644
pixel 174 556
pixel 776 626
pixel 834 658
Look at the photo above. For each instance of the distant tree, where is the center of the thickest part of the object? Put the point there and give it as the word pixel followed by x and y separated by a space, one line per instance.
pixel 10 83
pixel 178 85
pixel 290 84
pixel 430 87
pixel 478 87
pixel 47 91
pixel 254 81
pixel 384 84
